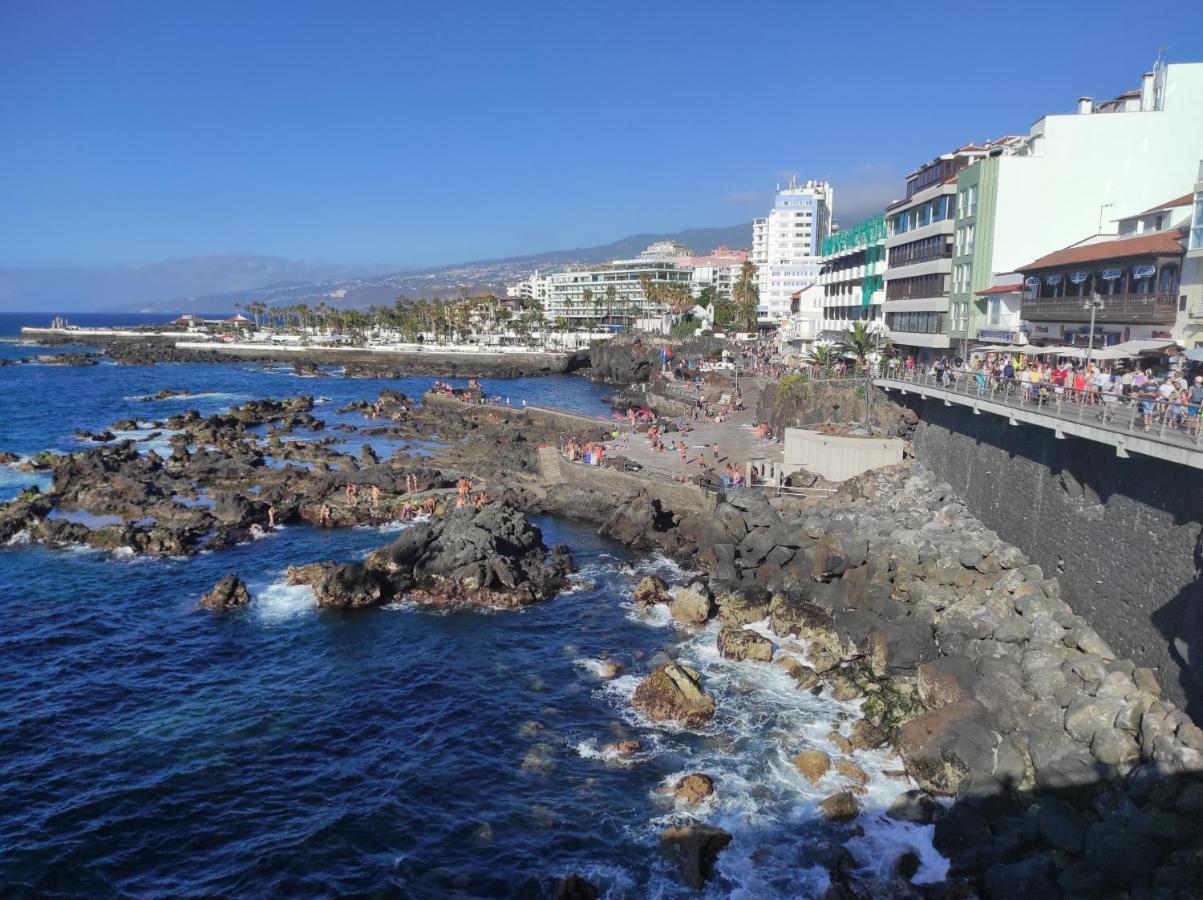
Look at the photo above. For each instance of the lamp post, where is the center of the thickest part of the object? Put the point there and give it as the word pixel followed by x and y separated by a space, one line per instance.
pixel 1094 304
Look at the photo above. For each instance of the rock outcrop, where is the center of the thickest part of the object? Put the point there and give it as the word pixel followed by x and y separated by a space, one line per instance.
pixel 693 849
pixel 229 593
pixel 673 692
pixel 491 557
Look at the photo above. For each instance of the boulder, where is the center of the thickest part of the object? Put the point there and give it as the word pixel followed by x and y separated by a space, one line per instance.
pixel 674 693
pixel 841 807
pixel 813 764
pixel 789 616
pixel 914 806
pixel 693 849
pixel 651 590
pixel 625 749
pixel 740 644
pixel 575 887
pixel 941 747
pixel 690 606
pixel 693 788
pixel 491 557
pixel 852 772
pixel 229 593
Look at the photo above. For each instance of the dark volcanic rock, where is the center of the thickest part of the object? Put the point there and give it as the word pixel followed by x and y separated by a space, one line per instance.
pixel 492 557
pixel 229 593
pixel 693 849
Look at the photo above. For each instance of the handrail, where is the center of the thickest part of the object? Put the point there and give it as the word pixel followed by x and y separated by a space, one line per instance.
pixel 1163 421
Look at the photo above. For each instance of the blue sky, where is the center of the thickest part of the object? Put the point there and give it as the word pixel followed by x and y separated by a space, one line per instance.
pixel 421 133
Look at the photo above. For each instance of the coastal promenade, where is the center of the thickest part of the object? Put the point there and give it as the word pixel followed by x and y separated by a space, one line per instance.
pixel 1119 425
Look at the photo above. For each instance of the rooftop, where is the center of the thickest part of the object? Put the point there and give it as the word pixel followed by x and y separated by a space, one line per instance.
pixel 1184 200
pixel 1159 243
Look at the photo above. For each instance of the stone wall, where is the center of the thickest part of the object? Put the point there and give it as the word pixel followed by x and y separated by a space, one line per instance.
pixel 1123 535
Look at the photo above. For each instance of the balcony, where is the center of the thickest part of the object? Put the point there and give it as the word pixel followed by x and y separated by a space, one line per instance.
pixel 1118 309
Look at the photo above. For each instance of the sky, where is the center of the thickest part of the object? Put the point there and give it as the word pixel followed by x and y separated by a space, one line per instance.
pixel 416 133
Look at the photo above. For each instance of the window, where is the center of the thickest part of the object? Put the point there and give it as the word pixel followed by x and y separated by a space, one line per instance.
pixel 919 287
pixel 971 200
pixel 1167 278
pixel 995 310
pixel 916 322
pixel 1196 232
pixel 969 231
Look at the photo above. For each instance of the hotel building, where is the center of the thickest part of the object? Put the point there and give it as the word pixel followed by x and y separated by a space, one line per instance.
pixel 786 242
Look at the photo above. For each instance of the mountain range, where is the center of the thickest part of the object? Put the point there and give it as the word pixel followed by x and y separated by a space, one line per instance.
pixel 214 284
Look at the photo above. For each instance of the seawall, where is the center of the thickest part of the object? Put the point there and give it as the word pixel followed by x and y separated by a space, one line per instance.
pixel 1123 535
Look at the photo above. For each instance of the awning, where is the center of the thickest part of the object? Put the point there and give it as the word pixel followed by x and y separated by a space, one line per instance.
pixel 1195 355
pixel 1141 348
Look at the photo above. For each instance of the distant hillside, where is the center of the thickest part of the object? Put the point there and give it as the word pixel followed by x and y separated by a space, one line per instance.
pixel 438 281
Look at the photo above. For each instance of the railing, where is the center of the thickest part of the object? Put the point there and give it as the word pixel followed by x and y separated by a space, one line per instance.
pixel 1159 308
pixel 1166 421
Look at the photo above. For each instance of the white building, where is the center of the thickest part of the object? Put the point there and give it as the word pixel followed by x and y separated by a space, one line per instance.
pixel 613 293
pixel 798 332
pixel 1068 179
pixel 536 288
pixel 665 250
pixel 786 242
pixel 1192 271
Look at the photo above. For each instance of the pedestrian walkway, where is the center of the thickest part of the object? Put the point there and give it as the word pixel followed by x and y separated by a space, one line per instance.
pixel 1121 425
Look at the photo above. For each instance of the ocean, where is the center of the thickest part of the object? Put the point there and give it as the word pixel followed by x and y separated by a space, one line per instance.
pixel 148 748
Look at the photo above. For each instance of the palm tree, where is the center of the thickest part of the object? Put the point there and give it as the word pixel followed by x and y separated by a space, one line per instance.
pixel 746 296
pixel 824 356
pixel 611 293
pixel 860 340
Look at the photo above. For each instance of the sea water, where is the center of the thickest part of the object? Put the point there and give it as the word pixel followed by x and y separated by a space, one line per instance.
pixel 151 748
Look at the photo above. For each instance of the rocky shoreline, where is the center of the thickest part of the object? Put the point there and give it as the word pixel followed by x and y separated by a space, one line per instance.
pixel 1046 765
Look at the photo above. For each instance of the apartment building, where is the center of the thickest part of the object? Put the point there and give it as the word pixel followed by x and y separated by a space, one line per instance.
pixel 786 243
pixel 919 249
pixel 1066 181
pixel 852 278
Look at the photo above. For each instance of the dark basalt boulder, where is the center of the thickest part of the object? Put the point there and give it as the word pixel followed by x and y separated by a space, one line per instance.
pixel 693 849
pixel 492 557
pixel 229 593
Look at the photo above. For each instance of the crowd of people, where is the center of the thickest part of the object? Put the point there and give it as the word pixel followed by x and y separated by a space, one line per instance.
pixel 1170 397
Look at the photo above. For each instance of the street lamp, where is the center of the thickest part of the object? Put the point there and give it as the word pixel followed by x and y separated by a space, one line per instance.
pixel 1094 304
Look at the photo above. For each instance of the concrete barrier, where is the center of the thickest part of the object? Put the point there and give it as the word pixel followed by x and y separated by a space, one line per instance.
pixel 835 457
pixel 675 496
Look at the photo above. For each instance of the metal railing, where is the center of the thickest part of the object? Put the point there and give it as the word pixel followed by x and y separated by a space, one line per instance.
pixel 1165 421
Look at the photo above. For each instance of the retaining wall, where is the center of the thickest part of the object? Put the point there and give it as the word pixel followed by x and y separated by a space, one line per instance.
pixel 1123 535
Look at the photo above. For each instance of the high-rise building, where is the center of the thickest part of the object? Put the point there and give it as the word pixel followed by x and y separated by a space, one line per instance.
pixel 1066 181
pixel 786 242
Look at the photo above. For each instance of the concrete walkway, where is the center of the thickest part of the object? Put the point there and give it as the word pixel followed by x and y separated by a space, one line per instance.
pixel 737 443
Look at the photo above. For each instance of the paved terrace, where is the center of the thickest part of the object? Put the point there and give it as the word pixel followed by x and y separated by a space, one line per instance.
pixel 1119 424
pixel 737 442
